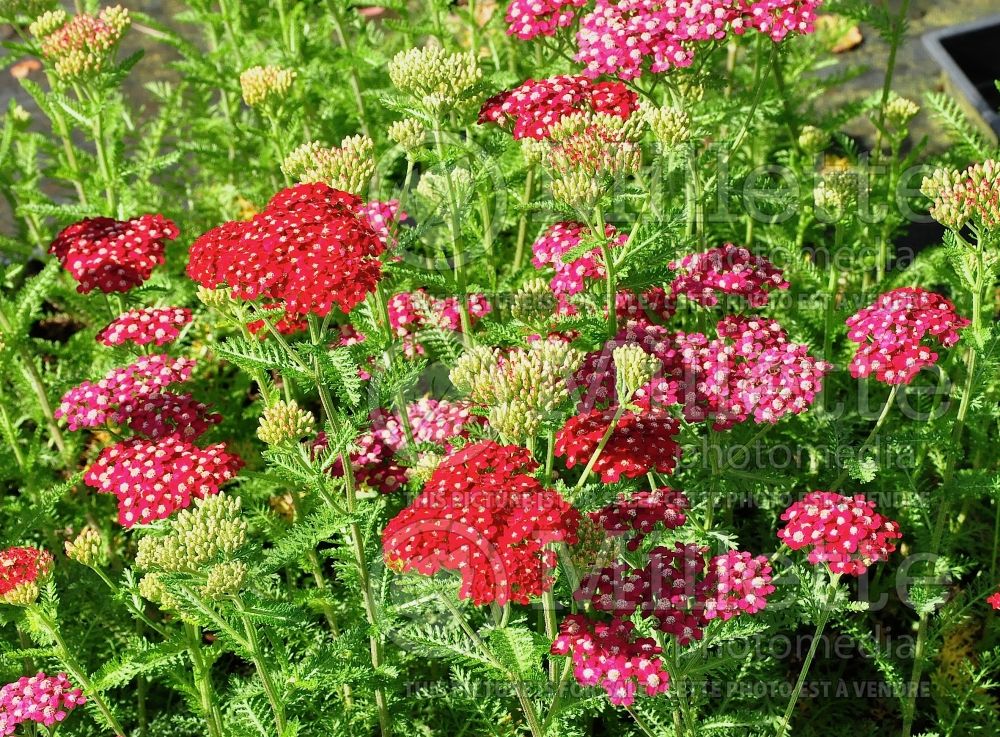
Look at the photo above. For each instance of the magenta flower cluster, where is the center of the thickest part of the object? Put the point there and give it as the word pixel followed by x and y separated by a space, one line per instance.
pixel 41 699
pixel 728 269
pixel 571 276
pixel 159 325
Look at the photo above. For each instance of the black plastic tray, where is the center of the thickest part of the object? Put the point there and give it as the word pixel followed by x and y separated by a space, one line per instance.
pixel 970 55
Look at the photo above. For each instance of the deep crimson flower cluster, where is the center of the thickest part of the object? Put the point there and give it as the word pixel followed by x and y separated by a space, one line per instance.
pixel 609 655
pixel 152 479
pixel 750 370
pixel 560 239
pixel 164 414
pixel 20 566
pixel 891 334
pixel 624 38
pixel 42 699
pixel 844 532
pixel 157 325
pixel 640 442
pixel 483 515
pixel 655 305
pixel 639 513
pixel 527 19
pixel 677 592
pixel 308 250
pixel 113 255
pixel 411 312
pixel 436 421
pixel 727 269
pixel 536 105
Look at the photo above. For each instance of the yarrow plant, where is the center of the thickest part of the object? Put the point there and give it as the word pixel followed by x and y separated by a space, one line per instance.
pixel 354 360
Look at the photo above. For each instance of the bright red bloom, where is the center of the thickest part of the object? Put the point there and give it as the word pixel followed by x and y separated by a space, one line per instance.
pixel 994 600
pixel 844 532
pixel 152 479
pixel 640 442
pixel 609 655
pixel 482 515
pixel 21 566
pixel 113 255
pixel 727 269
pixel 45 700
pixel 536 105
pixel 309 250
pixel 639 513
pixel 892 334
pixel 149 325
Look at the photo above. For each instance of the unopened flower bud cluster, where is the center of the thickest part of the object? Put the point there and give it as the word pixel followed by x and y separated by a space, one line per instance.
pixel 83 45
pixel 285 422
pixel 434 77
pixel 264 85
pixel 348 168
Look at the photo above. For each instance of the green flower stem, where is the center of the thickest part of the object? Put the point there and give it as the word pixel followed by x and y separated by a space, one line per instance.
pixel 76 670
pixel 230 32
pixel 530 715
pixel 890 70
pixel 358 547
pixel 557 699
pixel 10 434
pixel 266 679
pixel 824 617
pixel 130 605
pixel 833 278
pixel 695 208
pixel 203 682
pixel 641 723
pixel 760 78
pixel 786 100
pixel 551 628
pixel 599 449
pixel 522 221
pixel 336 16
pixel 889 402
pixel 611 289
pixel 713 444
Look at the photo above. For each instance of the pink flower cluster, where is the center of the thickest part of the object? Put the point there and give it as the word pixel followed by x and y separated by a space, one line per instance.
pixel 638 514
pixel 384 217
pixel 642 441
pixel 750 370
pixel 677 592
pixel 609 655
pixel 527 19
pixel 113 255
pixel 431 421
pixel 844 532
pixel 727 269
pixel 625 38
pixel 150 325
pixel 42 699
pixel 309 250
pixel 411 312
pixel 891 334
pixel 484 516
pixel 560 239
pixel 655 305
pixel 152 479
pixel 536 105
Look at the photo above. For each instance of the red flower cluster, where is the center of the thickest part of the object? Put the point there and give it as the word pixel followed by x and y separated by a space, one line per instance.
pixel 42 699
pixel 844 532
pixel 21 566
pixel 164 414
pixel 482 515
pixel 149 325
pixel 527 19
pixel 113 255
pixel 308 251
pixel 675 591
pixel 653 306
pixel 994 600
pixel 154 479
pixel 891 332
pixel 624 37
pixel 640 442
pixel 560 239
pixel 536 105
pixel 727 269
pixel 639 513
pixel 609 655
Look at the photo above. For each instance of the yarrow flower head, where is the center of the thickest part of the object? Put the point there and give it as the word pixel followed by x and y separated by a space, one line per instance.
pixel 892 334
pixel 640 441
pixel 266 85
pixel 83 45
pixel 670 125
pixel 727 269
pixel 411 313
pixel 284 422
pixel 158 325
pixel 348 168
pixel 563 237
pixel 611 656
pixel 22 571
pixel 535 106
pixel 967 197
pixel 409 133
pixel 42 699
pixel 152 479
pixel 87 548
pixel 484 516
pixel 528 19
pixel 308 251
pixel 739 582
pixel 844 532
pixel 638 514
pixel 434 77
pixel 994 600
pixel 113 255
